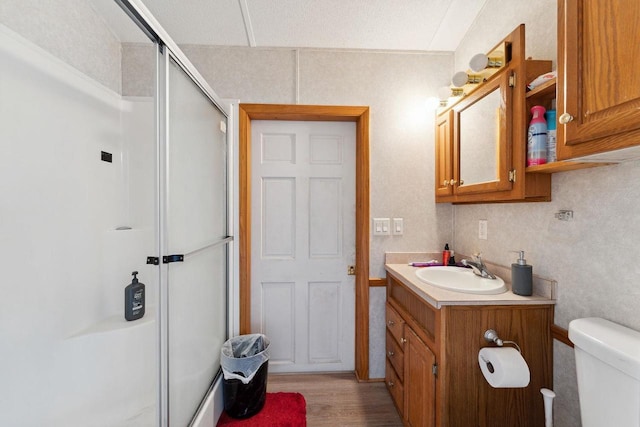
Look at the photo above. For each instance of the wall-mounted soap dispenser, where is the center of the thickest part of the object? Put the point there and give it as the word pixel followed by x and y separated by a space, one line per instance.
pixel 134 299
pixel 521 276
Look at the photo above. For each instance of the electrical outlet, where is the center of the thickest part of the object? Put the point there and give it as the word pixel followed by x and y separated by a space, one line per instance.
pixel 482 229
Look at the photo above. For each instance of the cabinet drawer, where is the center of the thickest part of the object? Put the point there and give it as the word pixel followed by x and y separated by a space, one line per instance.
pixel 395 355
pixel 395 387
pixel 395 324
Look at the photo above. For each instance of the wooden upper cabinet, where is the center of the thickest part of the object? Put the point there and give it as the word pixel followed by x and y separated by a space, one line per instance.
pixel 598 77
pixel 444 155
pixel 481 138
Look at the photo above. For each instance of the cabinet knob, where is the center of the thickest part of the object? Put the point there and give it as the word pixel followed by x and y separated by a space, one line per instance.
pixel 453 182
pixel 403 340
pixel 565 118
pixel 390 353
pixel 445 182
pixel 390 384
pixel 462 182
pixel 391 323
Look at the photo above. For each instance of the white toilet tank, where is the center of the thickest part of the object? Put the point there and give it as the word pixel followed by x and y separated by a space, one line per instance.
pixel 608 368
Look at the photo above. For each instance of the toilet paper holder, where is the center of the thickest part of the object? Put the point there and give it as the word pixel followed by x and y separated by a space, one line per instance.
pixel 491 335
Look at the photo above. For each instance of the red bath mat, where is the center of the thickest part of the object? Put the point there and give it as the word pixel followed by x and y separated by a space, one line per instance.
pixel 280 410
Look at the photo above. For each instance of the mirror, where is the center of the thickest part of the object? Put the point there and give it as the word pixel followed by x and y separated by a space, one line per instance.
pixel 479 136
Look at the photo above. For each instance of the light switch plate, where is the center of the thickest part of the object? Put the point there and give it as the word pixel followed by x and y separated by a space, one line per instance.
pixel 398 226
pixel 381 226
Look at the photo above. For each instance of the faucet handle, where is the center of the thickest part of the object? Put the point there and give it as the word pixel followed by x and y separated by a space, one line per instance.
pixel 477 256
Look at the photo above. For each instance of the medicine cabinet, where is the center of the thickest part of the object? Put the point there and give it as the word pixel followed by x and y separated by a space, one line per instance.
pixel 481 138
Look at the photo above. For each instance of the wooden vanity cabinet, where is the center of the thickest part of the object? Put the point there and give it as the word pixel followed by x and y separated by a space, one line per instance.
pixel 440 383
pixel 598 79
pixel 409 372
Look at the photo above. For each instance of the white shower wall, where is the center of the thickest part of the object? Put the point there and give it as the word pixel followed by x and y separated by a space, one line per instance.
pixel 68 356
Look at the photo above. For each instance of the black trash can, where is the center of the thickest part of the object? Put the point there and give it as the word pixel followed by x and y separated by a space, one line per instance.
pixel 245 362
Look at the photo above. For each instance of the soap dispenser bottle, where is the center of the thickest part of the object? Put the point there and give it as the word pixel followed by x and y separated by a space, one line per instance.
pixel 134 299
pixel 521 276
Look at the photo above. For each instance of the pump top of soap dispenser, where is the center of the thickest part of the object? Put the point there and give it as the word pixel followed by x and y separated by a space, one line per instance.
pixel 521 260
pixel 135 277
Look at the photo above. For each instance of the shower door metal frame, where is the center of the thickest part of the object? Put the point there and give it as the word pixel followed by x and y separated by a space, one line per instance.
pixel 166 51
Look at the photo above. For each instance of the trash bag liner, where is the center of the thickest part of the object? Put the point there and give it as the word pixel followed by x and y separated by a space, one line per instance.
pixel 243 355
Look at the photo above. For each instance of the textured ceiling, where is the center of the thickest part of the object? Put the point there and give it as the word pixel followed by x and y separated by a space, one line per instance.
pixel 409 25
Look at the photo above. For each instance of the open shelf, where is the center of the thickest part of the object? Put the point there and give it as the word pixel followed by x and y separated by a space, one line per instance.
pixel 563 166
pixel 543 95
pixel 117 322
pixel 545 89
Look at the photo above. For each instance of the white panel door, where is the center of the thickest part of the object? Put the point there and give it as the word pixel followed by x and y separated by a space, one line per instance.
pixel 303 241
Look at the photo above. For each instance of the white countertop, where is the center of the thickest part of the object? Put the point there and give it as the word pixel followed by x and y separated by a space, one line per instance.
pixel 439 297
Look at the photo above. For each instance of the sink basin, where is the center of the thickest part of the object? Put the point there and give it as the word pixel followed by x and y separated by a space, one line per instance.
pixel 459 279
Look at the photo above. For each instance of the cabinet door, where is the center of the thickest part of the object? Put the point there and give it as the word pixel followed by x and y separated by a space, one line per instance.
pixel 444 156
pixel 483 135
pixel 598 79
pixel 419 383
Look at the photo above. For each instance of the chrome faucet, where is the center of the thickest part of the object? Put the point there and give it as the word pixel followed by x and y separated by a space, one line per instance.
pixel 478 267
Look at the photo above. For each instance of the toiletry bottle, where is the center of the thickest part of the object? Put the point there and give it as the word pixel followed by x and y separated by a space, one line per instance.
pixel 452 258
pixel 537 137
pixel 446 254
pixel 134 299
pixel 550 115
pixel 521 276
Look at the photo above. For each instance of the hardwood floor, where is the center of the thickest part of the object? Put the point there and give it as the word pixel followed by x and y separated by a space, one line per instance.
pixel 339 400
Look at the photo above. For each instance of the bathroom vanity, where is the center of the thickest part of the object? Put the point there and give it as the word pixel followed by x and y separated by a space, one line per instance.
pixel 433 337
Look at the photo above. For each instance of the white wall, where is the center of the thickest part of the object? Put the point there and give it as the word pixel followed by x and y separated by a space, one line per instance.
pixel 71 31
pixel 591 257
pixel 68 356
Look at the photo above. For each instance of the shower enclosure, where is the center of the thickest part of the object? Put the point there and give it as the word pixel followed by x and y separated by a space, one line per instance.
pixel 115 158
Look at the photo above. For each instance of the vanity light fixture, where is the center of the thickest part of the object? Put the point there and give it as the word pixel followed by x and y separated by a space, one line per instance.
pixel 445 93
pixel 478 62
pixel 461 78
pixel 432 103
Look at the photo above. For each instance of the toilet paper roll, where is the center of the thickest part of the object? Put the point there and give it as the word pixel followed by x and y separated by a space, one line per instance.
pixel 504 367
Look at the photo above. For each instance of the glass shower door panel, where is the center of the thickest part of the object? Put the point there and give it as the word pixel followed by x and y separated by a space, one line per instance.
pixel 197 290
pixel 196 226
pixel 197 208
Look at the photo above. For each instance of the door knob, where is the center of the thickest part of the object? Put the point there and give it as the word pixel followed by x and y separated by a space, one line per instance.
pixel 565 118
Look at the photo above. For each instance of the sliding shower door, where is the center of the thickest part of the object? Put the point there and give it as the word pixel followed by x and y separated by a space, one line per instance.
pixel 195 244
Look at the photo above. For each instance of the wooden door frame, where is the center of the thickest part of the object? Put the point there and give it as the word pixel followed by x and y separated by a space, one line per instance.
pixel 359 115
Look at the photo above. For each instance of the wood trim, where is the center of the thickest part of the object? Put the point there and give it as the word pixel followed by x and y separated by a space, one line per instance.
pixel 244 223
pixel 561 334
pixel 359 115
pixel 377 281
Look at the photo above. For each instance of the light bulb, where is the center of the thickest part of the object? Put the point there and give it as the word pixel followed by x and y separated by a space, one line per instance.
pixel 444 93
pixel 432 103
pixel 459 79
pixel 479 62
